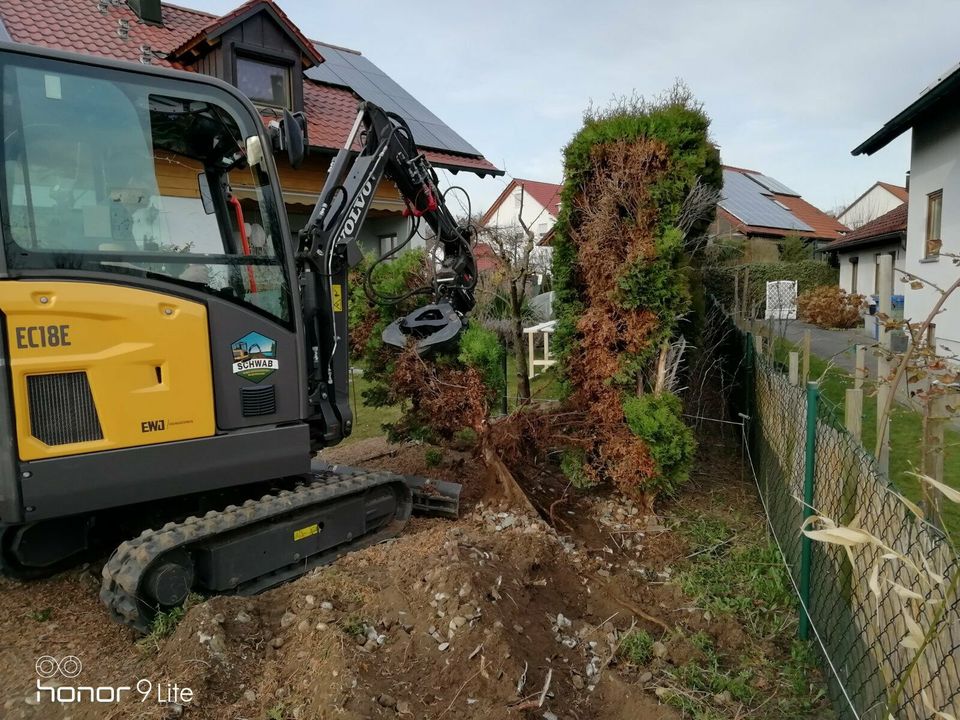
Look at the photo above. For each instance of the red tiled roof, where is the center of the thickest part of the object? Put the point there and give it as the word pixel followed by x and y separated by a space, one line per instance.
pixel 78 26
pixel 898 190
pixel 824 226
pixel 890 223
pixel 486 258
pixel 547 194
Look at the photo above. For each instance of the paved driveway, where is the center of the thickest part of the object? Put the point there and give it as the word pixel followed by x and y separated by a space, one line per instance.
pixel 835 345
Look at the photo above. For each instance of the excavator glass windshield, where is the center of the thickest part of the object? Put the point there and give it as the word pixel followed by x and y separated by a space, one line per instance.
pixel 111 171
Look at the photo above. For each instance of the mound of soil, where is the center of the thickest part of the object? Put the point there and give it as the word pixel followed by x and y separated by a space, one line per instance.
pixel 500 614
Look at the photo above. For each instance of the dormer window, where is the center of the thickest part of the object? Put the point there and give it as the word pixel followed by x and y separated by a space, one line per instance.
pixel 265 83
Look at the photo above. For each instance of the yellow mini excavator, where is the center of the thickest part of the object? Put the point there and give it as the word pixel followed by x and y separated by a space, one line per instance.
pixel 173 357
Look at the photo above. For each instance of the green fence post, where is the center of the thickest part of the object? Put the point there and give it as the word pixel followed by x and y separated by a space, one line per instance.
pixel 747 409
pixel 809 470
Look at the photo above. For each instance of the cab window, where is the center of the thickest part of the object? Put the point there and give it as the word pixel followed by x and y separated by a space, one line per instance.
pixel 137 177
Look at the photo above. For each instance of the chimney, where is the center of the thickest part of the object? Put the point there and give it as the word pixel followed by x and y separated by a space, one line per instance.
pixel 148 11
pixel 906 183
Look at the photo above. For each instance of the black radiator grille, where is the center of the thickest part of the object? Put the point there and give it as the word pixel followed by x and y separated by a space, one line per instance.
pixel 258 400
pixel 62 409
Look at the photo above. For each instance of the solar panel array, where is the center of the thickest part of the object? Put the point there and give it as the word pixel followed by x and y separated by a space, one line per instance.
pixel 349 69
pixel 745 199
pixel 774 186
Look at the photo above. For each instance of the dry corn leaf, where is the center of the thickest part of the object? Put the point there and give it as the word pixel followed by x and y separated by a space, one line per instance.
pixel 948 492
pixel 905 593
pixel 937 714
pixel 840 536
pixel 913 640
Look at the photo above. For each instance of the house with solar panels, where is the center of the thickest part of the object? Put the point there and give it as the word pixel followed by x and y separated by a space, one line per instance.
pixel 259 50
pixel 933 207
pixel 762 212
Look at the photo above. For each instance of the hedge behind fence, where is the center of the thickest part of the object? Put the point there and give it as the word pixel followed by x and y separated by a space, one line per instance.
pixel 809 274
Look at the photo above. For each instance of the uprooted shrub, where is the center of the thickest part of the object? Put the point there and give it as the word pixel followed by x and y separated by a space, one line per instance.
pixel 830 306
pixel 620 243
pixel 440 394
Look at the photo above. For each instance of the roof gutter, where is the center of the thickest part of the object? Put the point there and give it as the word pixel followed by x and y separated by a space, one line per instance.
pixel 905 119
pixel 868 241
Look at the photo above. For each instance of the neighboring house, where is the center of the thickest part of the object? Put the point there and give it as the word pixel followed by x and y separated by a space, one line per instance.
pixel 858 253
pixel 933 218
pixel 541 206
pixel 880 199
pixel 763 211
pixel 258 49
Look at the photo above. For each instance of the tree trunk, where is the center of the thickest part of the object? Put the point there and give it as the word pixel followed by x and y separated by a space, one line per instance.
pixel 519 349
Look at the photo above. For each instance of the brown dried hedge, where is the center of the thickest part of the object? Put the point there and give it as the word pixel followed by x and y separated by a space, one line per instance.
pixel 830 306
pixel 621 289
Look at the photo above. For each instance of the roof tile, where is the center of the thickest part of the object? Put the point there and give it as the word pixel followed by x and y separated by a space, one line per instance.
pixel 894 221
pixel 81 26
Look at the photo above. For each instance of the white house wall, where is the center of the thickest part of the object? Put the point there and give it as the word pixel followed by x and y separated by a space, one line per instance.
pixel 935 165
pixel 872 205
pixel 535 215
pixel 865 268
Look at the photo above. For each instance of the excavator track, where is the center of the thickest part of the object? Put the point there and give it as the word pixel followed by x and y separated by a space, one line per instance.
pixel 123 591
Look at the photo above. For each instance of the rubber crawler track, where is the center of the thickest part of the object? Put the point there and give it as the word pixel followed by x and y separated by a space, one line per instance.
pixel 125 569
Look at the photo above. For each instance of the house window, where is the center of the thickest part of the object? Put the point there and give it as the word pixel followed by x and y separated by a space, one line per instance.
pixel 387 243
pixel 854 272
pixel 542 229
pixel 934 212
pixel 264 82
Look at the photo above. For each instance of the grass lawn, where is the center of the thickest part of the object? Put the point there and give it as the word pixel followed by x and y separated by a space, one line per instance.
pixel 545 386
pixel 367 421
pixel 906 435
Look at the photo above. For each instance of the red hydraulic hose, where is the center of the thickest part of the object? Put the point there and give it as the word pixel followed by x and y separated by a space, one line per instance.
pixel 243 238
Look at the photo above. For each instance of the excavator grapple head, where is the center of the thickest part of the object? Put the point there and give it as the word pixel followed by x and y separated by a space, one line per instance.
pixel 429 327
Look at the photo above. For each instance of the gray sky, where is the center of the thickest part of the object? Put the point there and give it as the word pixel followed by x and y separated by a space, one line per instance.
pixel 791 87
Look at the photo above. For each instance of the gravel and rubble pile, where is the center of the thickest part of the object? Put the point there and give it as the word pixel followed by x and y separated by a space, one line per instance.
pixel 490 617
pixel 500 614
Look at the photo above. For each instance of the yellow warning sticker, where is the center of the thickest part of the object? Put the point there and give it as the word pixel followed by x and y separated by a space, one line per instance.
pixel 306 532
pixel 338 298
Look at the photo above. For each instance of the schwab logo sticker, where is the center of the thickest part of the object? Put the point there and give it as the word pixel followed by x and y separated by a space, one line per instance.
pixel 254 357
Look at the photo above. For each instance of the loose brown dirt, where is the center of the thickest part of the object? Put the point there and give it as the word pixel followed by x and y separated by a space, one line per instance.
pixel 501 614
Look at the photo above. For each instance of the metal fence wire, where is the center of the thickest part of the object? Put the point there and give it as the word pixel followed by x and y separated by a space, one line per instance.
pixel 857 604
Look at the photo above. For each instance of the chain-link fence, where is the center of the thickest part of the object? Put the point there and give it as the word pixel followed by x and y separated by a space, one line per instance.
pixel 870 606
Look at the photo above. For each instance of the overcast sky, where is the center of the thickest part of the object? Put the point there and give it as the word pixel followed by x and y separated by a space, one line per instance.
pixel 791 87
